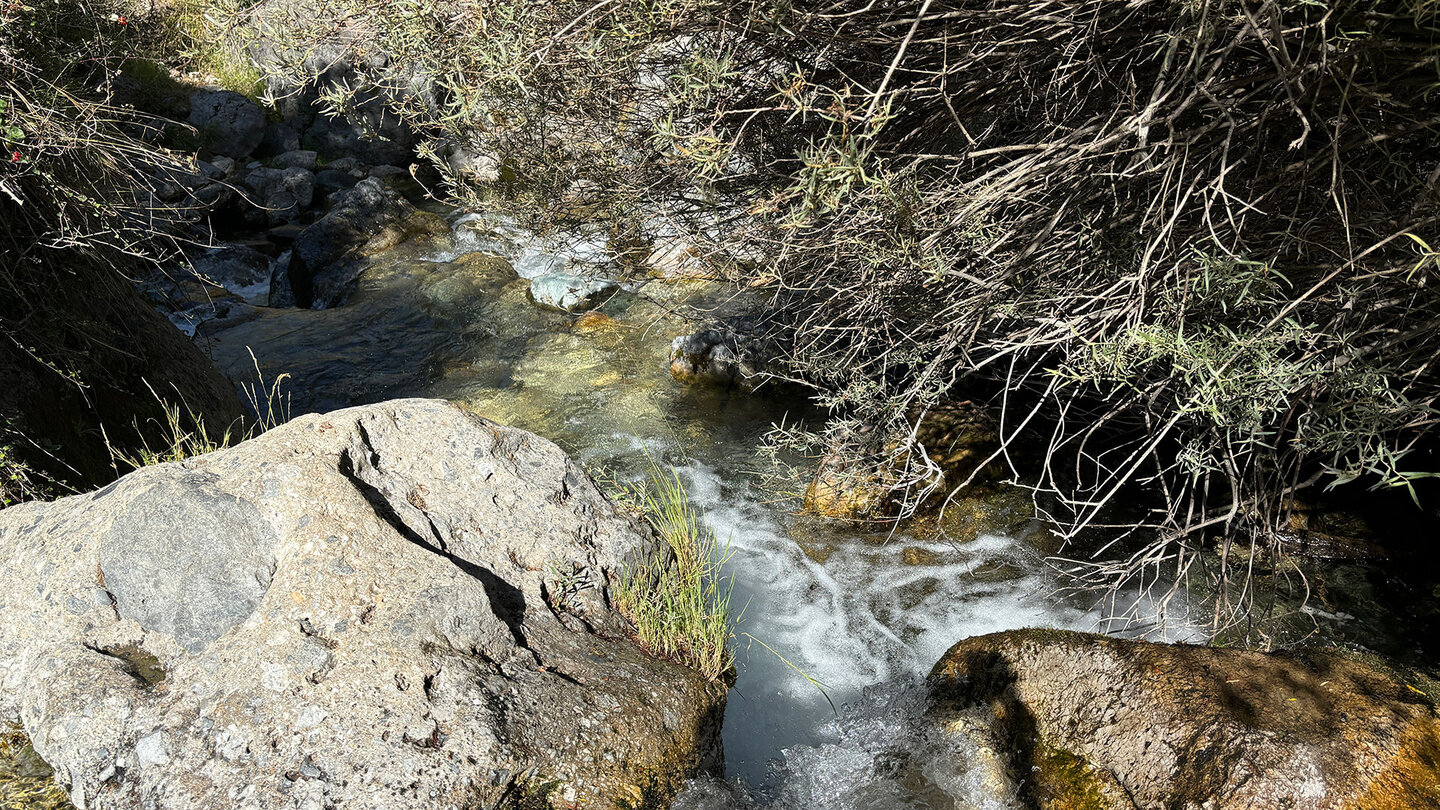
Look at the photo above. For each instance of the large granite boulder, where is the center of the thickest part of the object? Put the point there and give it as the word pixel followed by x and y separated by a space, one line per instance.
pixel 1095 722
pixel 394 606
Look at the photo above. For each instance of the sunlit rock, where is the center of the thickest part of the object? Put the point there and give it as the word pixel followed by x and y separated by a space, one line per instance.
pixel 571 293
pixel 353 610
pixel 1090 721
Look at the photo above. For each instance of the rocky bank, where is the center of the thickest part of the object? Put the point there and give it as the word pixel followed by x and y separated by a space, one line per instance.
pixel 392 606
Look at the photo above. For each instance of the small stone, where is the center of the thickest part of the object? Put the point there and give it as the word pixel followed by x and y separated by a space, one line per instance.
pixel 150 750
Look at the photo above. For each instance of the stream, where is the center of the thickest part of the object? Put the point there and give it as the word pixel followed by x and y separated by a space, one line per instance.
pixel 835 624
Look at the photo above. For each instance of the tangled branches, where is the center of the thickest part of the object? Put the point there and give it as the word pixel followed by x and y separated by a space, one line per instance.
pixel 1188 241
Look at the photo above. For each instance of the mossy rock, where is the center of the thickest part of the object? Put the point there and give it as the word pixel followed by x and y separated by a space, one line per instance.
pixel 1095 722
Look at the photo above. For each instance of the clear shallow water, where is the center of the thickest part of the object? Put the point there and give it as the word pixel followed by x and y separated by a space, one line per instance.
pixel 863 613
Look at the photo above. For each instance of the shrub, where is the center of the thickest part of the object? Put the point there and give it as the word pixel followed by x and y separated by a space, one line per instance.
pixel 76 188
pixel 1188 241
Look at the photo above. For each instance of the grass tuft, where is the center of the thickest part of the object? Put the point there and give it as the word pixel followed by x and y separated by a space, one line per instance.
pixel 187 436
pixel 680 607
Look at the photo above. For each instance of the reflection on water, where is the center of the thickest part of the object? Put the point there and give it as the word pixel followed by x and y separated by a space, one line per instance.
pixel 819 603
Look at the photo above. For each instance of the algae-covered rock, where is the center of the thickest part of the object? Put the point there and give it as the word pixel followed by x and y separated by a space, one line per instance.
pixel 1093 722
pixel 722 357
pixel 949 444
pixel 395 606
pixel 26 781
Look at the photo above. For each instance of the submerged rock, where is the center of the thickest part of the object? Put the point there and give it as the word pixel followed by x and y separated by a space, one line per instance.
pixel 1086 721
pixel 570 293
pixel 950 443
pixel 394 606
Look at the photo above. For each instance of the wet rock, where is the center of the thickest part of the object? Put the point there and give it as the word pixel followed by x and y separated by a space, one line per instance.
pixel 849 489
pixel 352 611
pixel 329 254
pixel 720 357
pixel 191 297
pixel 285 235
pixel 280 194
pixel 282 294
pixel 237 268
pixel 25 779
pixel 571 293
pixel 1325 532
pixel 1089 721
pixel 229 123
pixel 862 477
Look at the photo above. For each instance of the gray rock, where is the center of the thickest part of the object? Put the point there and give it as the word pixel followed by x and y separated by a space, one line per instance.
pixel 211 170
pixel 344 164
pixel 332 180
pixel 281 293
pixel 330 254
pixel 280 194
pixel 472 162
pixel 385 171
pixel 370 131
pixel 280 138
pixel 296 159
pixel 229 123
pixel 571 293
pixel 1084 720
pixel 721 357
pixel 241 667
pixel 225 165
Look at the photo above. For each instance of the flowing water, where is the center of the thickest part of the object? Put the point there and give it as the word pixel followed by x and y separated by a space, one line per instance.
pixel 836 623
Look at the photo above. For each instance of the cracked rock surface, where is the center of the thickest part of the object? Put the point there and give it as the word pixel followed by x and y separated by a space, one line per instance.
pixel 392 606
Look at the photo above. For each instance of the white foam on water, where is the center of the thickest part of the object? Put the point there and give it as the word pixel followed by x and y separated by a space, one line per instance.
pixel 257 294
pixel 853 615
pixel 866 619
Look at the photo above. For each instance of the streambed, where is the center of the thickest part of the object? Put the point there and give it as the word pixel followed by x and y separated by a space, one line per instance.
pixel 836 623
